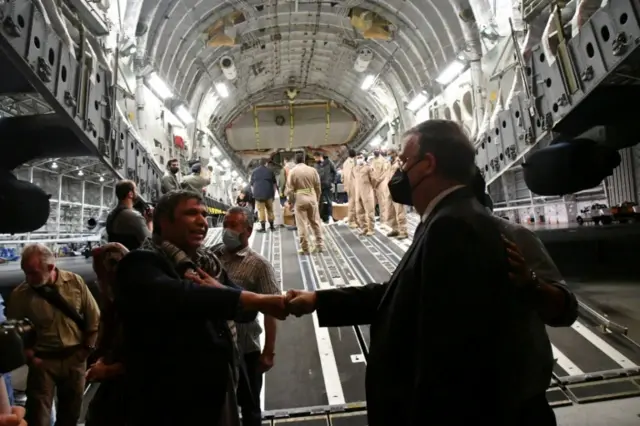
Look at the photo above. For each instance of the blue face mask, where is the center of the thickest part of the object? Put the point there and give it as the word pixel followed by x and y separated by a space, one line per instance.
pixel 231 239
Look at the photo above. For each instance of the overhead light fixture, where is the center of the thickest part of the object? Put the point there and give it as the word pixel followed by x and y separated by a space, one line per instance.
pixel 225 163
pixel 101 179
pixel 450 73
pixel 159 87
pixel 222 90
pixel 368 81
pixel 184 115
pixel 80 173
pixel 234 173
pixel 54 165
pixel 377 140
pixel 417 102
pixel 215 152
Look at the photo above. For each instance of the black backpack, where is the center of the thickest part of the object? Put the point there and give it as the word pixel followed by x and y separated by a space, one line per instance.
pixel 129 241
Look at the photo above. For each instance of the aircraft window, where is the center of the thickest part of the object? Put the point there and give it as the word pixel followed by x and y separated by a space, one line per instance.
pixel 20 21
pixel 528 70
pixel 497 131
pixel 590 50
pixel 517 114
pixel 36 42
pixel 504 124
pixel 542 57
pixel 467 102
pixel 482 146
pixel 96 104
pixel 64 73
pixel 457 111
pixel 605 33
pixel 555 107
pixel 489 139
pixel 623 18
pixel 501 157
pixel 52 56
pixel 548 82
pixel 98 77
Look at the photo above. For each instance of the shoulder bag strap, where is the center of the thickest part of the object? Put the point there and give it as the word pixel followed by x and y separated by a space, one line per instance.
pixel 55 299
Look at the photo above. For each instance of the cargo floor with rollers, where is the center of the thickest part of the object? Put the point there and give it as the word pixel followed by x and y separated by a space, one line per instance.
pixel 318 377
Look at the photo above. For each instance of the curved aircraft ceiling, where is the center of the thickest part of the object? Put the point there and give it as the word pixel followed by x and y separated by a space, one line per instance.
pixel 310 46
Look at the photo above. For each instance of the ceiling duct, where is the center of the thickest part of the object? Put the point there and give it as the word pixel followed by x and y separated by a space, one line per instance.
pixel 370 24
pixel 223 32
pixel 228 68
pixel 365 55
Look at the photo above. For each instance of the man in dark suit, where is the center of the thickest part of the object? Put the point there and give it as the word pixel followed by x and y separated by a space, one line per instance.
pixel 439 352
pixel 177 322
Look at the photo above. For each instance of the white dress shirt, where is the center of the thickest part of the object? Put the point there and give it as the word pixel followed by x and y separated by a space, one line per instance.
pixel 432 205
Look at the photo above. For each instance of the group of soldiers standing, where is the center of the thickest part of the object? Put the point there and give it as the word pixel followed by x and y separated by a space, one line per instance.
pixel 366 185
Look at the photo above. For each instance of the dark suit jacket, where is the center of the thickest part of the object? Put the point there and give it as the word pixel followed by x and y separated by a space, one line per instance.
pixel 438 354
pixel 177 347
pixel 262 183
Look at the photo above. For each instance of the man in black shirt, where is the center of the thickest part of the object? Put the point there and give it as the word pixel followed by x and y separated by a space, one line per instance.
pixel 327 171
pixel 178 310
pixel 125 225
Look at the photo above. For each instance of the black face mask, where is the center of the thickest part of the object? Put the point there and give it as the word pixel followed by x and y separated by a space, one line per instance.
pixel 174 170
pixel 376 154
pixel 400 187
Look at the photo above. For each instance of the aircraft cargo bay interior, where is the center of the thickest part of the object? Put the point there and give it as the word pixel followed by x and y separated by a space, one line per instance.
pixel 297 124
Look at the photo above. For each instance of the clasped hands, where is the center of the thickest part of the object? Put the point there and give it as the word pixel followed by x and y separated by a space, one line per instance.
pixel 294 302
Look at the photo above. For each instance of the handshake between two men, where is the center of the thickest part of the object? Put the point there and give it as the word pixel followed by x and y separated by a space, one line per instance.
pixel 294 302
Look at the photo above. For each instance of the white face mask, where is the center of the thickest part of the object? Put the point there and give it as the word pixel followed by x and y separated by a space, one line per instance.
pixel 360 161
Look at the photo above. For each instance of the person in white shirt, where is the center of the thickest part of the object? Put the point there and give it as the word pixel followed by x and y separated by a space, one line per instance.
pixel 551 303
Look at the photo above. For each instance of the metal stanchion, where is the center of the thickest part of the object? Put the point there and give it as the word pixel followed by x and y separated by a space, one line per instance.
pixel 362 342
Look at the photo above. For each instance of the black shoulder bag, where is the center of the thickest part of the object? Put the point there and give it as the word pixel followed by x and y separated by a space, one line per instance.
pixel 55 299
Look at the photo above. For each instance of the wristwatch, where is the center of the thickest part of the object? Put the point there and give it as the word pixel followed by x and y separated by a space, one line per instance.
pixel 533 289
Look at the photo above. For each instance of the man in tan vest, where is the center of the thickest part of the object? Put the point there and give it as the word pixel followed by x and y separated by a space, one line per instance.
pixel 349 181
pixel 303 186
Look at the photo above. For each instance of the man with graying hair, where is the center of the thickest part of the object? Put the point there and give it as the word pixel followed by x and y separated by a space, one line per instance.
pixel 66 319
pixel 454 274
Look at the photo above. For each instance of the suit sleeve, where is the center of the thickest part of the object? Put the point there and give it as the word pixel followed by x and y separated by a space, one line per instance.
pixel 142 282
pixel 349 306
pixel 242 316
pixel 462 304
pixel 539 260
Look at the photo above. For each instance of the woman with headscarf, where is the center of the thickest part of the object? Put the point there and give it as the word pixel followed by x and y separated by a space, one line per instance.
pixel 107 408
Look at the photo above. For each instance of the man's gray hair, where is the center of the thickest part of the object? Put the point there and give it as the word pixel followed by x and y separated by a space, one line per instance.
pixel 448 143
pixel 37 249
pixel 246 213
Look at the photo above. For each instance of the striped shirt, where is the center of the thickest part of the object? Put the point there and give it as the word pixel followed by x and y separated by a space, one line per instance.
pixel 254 273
